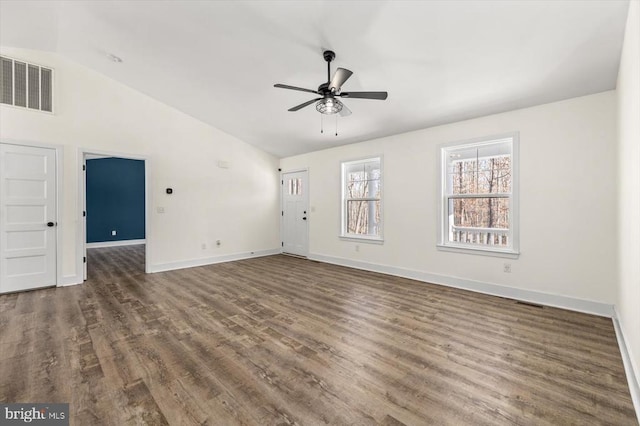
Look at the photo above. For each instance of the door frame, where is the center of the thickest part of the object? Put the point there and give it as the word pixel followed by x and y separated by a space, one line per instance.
pixel 59 151
pixel 82 201
pixel 306 201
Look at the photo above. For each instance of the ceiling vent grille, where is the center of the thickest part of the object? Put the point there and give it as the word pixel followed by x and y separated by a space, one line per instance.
pixel 26 85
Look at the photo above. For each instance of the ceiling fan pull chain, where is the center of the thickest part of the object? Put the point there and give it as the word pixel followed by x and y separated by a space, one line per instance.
pixel 321 129
pixel 336 115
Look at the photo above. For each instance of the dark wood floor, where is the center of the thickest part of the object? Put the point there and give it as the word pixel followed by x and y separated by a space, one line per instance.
pixel 280 340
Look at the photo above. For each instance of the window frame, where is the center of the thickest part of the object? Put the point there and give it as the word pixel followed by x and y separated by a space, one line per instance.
pixel 444 150
pixel 344 235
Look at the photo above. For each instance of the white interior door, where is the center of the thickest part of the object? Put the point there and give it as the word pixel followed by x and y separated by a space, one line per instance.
pixel 295 196
pixel 27 217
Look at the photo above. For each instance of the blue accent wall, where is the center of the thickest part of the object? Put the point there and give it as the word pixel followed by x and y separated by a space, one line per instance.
pixel 115 199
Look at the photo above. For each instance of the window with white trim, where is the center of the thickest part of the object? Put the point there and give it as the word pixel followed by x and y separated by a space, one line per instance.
pixel 479 209
pixel 362 199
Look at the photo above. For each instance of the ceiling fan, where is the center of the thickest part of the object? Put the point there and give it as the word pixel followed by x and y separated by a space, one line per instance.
pixel 329 91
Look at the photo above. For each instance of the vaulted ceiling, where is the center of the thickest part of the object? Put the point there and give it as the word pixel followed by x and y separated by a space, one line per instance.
pixel 440 61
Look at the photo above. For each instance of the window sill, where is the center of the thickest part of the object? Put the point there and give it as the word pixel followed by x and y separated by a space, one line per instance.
pixel 362 239
pixel 508 254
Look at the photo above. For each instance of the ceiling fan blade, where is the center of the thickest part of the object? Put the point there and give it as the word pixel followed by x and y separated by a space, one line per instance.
pixel 339 77
pixel 365 95
pixel 344 111
pixel 297 107
pixel 285 86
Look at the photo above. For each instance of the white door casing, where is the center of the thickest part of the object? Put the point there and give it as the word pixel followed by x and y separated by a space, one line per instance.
pixel 295 209
pixel 83 155
pixel 84 219
pixel 28 222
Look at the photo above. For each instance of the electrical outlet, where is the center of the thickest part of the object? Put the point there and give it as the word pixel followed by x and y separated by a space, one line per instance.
pixel 204 246
pixel 507 268
pixel 357 247
pixel 113 233
pixel 218 243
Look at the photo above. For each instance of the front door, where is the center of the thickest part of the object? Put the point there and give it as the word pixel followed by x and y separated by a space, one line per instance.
pixel 27 217
pixel 295 218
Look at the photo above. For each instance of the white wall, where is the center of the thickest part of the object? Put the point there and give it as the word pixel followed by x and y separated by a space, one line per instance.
pixel 628 91
pixel 238 205
pixel 567 201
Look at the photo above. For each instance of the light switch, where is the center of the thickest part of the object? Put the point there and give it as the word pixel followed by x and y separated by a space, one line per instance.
pixel 160 209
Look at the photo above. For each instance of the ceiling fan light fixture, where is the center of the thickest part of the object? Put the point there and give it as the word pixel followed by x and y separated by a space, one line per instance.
pixel 329 106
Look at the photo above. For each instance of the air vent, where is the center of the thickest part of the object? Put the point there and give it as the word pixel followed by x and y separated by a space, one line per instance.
pixel 26 85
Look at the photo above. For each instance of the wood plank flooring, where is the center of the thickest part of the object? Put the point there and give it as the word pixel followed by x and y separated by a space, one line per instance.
pixel 280 341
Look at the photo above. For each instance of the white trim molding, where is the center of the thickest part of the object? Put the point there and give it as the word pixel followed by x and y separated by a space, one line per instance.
pixel 69 280
pixel 632 371
pixel 344 235
pixel 546 299
pixel 116 243
pixel 445 195
pixel 170 266
pixel 82 153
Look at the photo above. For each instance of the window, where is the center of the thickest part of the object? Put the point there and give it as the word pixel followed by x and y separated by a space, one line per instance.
pixel 479 196
pixel 362 199
pixel 294 185
pixel 26 85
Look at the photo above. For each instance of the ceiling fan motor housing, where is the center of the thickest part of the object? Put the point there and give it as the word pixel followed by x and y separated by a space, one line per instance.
pixel 323 89
pixel 329 55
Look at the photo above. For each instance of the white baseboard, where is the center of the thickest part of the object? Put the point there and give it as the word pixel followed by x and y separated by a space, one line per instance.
pixel 170 266
pixel 631 370
pixel 557 301
pixel 116 243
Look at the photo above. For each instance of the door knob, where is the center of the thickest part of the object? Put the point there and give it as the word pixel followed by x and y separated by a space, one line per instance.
pixel 50 224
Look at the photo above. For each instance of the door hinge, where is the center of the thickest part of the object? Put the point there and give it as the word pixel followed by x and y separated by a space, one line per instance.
pixel 84 213
pixel 282 244
pixel 282 212
pixel 84 167
pixel 84 259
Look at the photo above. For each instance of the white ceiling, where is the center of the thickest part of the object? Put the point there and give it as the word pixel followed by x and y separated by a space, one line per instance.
pixel 440 61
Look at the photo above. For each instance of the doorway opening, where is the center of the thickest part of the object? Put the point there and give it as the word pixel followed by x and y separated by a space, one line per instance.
pixel 115 212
